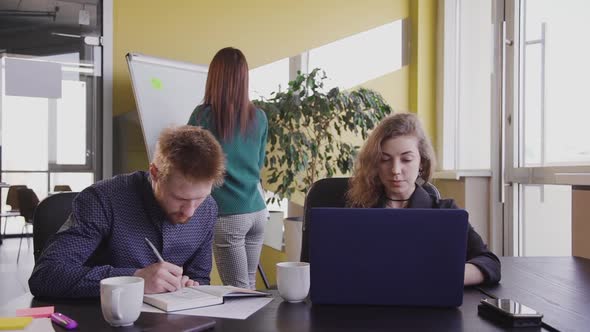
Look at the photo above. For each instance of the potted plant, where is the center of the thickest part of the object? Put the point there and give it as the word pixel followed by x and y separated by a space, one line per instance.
pixel 311 135
pixel 311 131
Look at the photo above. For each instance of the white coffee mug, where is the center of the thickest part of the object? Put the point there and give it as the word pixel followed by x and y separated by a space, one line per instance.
pixel 121 299
pixel 293 280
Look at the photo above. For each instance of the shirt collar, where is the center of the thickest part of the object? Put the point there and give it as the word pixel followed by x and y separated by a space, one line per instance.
pixel 420 199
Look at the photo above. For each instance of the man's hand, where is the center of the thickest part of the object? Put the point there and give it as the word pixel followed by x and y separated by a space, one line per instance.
pixel 162 277
pixel 187 282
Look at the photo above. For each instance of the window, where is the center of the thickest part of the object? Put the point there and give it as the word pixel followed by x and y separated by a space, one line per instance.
pixel 555 71
pixel 542 230
pixel 70 122
pixel 464 122
pixel 269 78
pixel 354 60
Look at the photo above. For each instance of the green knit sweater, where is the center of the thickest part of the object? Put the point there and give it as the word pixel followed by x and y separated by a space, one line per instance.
pixel 244 159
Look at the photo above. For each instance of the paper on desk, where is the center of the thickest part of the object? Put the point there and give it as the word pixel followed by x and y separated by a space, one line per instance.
pixel 37 325
pixel 238 308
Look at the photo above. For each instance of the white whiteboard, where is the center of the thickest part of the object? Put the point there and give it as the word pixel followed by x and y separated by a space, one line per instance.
pixel 166 92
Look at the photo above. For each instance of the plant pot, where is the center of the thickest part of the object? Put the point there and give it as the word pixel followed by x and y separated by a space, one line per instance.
pixel 273 230
pixel 293 236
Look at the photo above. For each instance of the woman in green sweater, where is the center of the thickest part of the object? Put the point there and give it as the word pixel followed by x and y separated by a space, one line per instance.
pixel 241 129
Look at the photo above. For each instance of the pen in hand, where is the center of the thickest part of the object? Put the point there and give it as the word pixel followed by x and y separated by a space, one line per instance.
pixel 154 250
pixel 182 282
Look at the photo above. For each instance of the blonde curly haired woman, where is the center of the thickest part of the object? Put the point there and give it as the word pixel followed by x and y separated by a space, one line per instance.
pixel 390 171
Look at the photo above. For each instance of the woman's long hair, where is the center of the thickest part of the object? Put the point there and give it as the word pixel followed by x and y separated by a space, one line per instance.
pixel 226 92
pixel 365 187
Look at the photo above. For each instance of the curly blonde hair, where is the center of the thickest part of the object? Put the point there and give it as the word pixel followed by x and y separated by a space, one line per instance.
pixel 365 187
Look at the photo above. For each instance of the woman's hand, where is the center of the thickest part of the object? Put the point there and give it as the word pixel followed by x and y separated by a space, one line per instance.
pixel 473 275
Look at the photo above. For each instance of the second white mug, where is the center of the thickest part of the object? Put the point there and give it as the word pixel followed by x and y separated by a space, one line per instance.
pixel 293 280
pixel 121 299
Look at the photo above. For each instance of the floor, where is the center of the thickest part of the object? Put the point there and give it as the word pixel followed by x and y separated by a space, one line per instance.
pixel 12 225
pixel 18 285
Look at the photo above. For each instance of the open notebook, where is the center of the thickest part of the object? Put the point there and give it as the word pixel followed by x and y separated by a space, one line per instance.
pixel 196 297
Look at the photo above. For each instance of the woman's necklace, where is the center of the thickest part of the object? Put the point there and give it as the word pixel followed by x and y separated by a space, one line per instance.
pixel 396 200
pixel 396 203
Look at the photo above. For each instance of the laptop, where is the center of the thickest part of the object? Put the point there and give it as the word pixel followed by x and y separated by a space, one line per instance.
pixel 409 257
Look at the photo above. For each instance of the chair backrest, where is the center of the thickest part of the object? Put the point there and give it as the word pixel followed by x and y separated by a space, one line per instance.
pixel 27 202
pixel 331 192
pixel 49 216
pixel 62 187
pixel 431 190
pixel 12 196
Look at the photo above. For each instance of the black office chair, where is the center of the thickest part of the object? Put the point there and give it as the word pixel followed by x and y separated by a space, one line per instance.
pixel 27 201
pixel 12 196
pixel 61 187
pixel 331 192
pixel 50 215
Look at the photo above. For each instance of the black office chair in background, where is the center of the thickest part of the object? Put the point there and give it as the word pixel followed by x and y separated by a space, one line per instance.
pixel 12 196
pixel 61 187
pixel 27 201
pixel 50 215
pixel 331 192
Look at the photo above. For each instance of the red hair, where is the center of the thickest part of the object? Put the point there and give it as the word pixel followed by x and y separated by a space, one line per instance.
pixel 190 151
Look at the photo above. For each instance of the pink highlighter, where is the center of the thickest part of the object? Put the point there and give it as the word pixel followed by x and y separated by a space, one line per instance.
pixel 63 321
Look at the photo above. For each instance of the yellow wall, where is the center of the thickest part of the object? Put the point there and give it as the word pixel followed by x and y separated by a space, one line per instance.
pixel 422 80
pixel 265 30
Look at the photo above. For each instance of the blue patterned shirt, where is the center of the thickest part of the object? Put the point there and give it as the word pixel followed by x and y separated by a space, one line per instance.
pixel 104 237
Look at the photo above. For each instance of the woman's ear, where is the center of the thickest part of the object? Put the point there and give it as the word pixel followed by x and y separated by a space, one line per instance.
pixel 420 181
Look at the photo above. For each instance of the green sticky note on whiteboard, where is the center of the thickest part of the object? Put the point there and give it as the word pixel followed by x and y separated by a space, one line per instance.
pixel 156 83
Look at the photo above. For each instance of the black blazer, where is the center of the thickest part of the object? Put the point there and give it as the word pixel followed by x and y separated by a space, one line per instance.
pixel 478 253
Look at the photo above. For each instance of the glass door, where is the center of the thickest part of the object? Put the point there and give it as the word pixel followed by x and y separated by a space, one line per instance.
pixel 546 119
pixel 49 120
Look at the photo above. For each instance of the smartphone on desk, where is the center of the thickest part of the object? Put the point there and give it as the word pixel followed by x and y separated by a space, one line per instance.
pixel 509 312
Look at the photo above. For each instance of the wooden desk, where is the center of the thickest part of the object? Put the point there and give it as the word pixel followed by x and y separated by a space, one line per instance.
pixel 283 316
pixel 558 287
